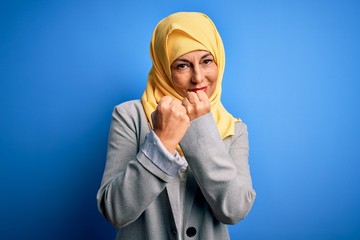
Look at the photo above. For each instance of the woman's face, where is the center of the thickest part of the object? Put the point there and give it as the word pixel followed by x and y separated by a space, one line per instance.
pixel 194 71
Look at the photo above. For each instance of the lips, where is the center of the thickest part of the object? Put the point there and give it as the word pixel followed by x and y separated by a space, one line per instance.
pixel 199 89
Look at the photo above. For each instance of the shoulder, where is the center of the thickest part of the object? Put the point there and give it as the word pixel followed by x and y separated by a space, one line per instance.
pixel 130 111
pixel 130 108
pixel 240 129
pixel 133 105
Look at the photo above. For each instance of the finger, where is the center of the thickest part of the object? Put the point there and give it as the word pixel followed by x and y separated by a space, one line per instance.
pixel 193 97
pixel 164 101
pixel 185 101
pixel 202 96
pixel 182 110
pixel 176 105
pixel 175 102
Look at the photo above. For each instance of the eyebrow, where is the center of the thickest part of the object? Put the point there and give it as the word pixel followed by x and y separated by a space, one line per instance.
pixel 185 60
pixel 206 55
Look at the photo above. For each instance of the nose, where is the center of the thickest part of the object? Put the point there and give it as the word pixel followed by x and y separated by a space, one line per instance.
pixel 197 74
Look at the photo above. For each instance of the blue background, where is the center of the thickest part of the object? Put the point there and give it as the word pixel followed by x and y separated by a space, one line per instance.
pixel 292 74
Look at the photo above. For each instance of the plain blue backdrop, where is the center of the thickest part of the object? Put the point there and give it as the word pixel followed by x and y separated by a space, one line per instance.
pixel 292 75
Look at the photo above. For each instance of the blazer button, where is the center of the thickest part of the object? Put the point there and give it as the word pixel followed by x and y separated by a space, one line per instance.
pixel 191 231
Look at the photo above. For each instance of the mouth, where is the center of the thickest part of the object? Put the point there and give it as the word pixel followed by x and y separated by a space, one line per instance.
pixel 199 89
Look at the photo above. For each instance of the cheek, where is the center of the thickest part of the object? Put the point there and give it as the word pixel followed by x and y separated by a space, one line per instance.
pixel 211 89
pixel 181 79
pixel 180 84
pixel 214 75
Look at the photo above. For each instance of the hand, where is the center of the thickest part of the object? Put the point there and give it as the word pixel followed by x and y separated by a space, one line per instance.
pixel 170 122
pixel 196 104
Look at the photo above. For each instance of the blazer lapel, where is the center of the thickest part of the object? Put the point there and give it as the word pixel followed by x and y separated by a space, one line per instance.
pixel 173 196
pixel 172 189
pixel 191 189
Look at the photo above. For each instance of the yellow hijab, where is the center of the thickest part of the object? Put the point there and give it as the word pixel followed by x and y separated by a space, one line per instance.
pixel 174 36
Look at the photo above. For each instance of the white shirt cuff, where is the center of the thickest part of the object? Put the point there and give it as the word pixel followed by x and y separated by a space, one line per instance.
pixel 156 152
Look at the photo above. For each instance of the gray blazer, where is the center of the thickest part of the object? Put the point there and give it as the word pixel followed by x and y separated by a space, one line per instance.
pixel 134 193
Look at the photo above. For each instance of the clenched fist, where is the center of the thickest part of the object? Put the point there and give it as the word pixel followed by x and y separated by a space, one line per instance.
pixel 170 122
pixel 196 104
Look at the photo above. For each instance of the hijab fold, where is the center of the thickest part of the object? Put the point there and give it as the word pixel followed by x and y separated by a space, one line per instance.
pixel 174 36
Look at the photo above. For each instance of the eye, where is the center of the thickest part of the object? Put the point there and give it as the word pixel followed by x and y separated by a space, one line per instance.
pixel 182 66
pixel 208 61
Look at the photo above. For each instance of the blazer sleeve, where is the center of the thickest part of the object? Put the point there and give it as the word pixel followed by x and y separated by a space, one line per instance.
pixel 131 179
pixel 221 172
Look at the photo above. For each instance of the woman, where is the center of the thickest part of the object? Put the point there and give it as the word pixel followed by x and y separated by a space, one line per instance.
pixel 177 161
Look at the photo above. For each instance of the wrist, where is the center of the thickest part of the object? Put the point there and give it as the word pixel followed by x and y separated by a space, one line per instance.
pixel 170 148
pixel 168 144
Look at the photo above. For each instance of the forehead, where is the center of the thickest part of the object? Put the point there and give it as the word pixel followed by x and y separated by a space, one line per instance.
pixel 197 54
